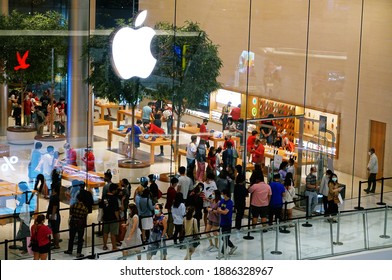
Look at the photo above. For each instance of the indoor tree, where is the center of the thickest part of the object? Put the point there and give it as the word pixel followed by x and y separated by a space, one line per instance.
pixel 187 69
pixel 39 35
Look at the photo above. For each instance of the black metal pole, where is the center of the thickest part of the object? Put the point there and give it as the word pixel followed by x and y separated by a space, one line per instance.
pixel 248 236
pixel 359 197
pixel 382 193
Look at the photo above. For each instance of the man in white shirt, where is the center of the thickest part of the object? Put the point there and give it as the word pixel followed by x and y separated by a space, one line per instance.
pixel 372 168
pixel 45 166
pixel 191 157
pixel 185 183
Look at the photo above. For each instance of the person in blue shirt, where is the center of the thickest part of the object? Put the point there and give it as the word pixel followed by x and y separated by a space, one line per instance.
pixel 137 131
pixel 276 202
pixel 225 209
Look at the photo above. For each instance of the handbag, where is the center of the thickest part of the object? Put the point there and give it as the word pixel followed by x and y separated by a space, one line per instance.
pixel 196 237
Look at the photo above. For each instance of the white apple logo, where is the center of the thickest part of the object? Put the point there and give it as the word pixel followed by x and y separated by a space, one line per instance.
pixel 131 54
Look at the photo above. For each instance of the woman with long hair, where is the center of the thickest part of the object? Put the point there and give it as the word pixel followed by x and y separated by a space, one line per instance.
pixel 333 198
pixel 40 234
pixel 213 220
pixel 190 230
pixel 178 213
pixel 289 197
pixel 132 236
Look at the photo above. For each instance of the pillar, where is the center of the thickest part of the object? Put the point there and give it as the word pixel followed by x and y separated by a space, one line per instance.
pixel 3 87
pixel 79 100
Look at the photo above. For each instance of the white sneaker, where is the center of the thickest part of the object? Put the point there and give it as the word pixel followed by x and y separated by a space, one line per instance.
pixel 220 257
pixel 210 247
pixel 232 250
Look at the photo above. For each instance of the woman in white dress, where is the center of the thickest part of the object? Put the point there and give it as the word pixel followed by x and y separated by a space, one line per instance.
pixel 133 234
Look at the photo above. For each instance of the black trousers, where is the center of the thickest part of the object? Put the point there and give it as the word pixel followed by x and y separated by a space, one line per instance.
pixel 72 233
pixel 274 212
pixel 178 232
pixel 372 182
pixel 226 238
pixel 238 217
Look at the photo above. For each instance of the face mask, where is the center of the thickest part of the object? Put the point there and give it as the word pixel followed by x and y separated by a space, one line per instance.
pixel 222 196
pixel 334 179
pixel 314 173
pixel 369 153
pixel 157 211
pixel 213 196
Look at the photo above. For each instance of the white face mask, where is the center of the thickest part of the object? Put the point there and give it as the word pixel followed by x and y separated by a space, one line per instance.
pixel 370 153
pixel 334 179
pixel 222 196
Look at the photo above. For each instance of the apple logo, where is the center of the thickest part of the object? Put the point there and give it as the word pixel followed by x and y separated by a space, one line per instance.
pixel 131 54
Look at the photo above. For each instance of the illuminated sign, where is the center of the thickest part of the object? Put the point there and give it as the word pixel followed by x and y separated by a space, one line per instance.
pixel 131 53
pixel 22 61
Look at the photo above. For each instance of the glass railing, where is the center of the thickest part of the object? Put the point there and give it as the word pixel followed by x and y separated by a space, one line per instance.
pixel 314 238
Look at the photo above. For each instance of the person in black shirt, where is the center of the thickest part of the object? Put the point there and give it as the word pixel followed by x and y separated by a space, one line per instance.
pixel 111 216
pixel 53 214
pixel 240 195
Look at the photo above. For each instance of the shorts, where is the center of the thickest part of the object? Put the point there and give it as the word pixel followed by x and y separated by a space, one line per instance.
pixel 44 249
pixel 261 211
pixel 147 223
pixel 111 228
pixel 214 224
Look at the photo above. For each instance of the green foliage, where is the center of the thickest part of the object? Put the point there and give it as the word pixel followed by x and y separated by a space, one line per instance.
pixel 190 63
pixel 39 46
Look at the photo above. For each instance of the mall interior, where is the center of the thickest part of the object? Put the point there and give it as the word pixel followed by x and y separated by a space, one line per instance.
pixel 319 68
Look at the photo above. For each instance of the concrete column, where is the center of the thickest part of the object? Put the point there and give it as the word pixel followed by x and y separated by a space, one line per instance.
pixel 3 87
pixel 79 100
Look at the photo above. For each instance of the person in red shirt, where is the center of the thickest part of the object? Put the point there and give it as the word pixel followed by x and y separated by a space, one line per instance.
pixel 70 155
pixel 236 113
pixel 204 133
pixel 155 130
pixel 228 139
pixel 27 106
pixel 250 143
pixel 40 233
pixel 89 159
pixel 258 153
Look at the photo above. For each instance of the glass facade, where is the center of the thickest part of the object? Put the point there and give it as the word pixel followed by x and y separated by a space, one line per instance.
pixel 321 68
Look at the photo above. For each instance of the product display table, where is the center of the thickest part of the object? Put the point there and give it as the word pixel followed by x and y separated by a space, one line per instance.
pixel 159 141
pixel 105 106
pixel 122 113
pixel 102 122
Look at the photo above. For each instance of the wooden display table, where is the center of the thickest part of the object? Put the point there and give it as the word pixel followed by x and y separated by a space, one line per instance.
pixel 102 122
pixel 189 130
pixel 159 141
pixel 106 106
pixel 122 113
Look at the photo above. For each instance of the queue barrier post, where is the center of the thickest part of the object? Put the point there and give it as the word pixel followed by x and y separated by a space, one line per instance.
pixel 382 193
pixel 384 235
pixel 359 196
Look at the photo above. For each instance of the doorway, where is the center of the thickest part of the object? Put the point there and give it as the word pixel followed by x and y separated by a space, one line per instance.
pixel 377 141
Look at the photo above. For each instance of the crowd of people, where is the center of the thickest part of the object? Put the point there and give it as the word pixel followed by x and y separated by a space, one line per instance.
pixel 38 112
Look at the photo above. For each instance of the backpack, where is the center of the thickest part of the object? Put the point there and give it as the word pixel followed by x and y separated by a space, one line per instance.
pixel 201 153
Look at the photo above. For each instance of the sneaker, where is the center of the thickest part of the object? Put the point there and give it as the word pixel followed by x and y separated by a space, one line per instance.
pixel 210 247
pixel 232 250
pixel 79 255
pixel 220 257
pixel 105 248
pixel 68 252
pixel 160 155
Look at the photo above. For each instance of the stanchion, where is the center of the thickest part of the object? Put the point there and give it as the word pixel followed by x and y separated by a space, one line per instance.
pixel 382 193
pixel 248 236
pixel 385 224
pixel 6 249
pixel 331 237
pixel 307 224
pixel 92 256
pixel 359 197
pixel 337 232
pixel 276 251
pixel 284 228
pixel 262 244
